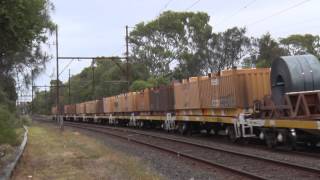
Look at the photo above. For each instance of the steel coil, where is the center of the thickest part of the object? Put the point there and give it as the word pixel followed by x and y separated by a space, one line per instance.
pixel 293 74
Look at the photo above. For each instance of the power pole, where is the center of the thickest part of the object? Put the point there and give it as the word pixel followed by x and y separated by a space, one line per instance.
pixel 69 87
pixel 60 120
pixel 31 91
pixel 93 83
pixel 127 57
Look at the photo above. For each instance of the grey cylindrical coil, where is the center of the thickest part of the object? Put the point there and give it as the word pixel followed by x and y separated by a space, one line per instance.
pixel 293 74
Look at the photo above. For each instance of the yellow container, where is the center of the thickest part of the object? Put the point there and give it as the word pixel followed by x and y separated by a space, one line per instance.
pixel 142 100
pixel 81 108
pixel 235 88
pixel 186 94
pixel 108 105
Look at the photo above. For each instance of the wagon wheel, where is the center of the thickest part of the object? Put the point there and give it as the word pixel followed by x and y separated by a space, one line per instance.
pixel 231 134
pixel 292 143
pixel 183 128
pixel 208 131
pixel 270 140
pixel 140 124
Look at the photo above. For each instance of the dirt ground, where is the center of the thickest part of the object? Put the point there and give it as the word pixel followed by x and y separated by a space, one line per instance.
pixel 51 154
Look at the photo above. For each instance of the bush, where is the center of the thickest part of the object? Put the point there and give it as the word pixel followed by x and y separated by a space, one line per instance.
pixel 24 120
pixel 139 85
pixel 158 81
pixel 7 129
pixel 151 82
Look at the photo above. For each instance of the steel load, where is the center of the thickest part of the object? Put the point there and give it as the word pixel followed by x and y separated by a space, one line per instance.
pixel 294 74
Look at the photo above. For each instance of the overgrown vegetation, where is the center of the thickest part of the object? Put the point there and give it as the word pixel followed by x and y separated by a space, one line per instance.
pixel 24 27
pixel 7 134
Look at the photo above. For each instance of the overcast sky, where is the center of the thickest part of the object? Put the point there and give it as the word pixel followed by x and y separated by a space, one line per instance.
pixel 97 27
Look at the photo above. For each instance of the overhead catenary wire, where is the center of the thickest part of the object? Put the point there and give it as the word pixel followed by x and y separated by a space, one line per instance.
pixel 309 28
pixel 287 28
pixel 66 67
pixel 237 12
pixel 162 9
pixel 166 5
pixel 192 5
pixel 118 50
pixel 278 12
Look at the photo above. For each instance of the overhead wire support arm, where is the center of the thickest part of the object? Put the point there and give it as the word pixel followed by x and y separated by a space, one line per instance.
pixel 90 58
pixel 112 58
pixel 48 86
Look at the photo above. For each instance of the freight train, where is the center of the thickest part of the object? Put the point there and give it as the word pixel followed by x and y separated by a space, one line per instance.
pixel 279 105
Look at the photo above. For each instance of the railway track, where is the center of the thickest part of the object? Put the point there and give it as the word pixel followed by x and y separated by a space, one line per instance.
pixel 302 151
pixel 246 165
pixel 309 154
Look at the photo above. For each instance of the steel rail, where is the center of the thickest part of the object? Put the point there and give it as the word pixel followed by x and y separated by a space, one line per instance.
pixel 277 162
pixel 181 154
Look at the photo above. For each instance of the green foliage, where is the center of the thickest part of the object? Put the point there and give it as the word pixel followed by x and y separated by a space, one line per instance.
pixel 5 100
pixel 44 101
pixel 158 81
pixel 109 79
pixel 151 82
pixel 23 29
pixel 301 44
pixel 182 44
pixel 7 131
pixel 139 85
pixel 24 26
pixel 24 120
pixel 227 48
pixel 264 51
pixel 174 37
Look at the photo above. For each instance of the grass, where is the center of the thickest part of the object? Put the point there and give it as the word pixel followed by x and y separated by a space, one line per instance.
pixel 51 154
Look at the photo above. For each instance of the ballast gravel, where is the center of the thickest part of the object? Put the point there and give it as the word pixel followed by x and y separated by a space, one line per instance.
pixel 167 165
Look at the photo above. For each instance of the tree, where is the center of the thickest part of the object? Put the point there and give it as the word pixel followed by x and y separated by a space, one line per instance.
pixel 302 44
pixel 110 79
pixel 43 102
pixel 227 48
pixel 173 38
pixel 264 50
pixel 151 82
pixel 24 26
pixel 139 85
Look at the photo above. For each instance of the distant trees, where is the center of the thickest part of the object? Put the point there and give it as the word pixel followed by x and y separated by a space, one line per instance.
pixel 265 49
pixel 149 83
pixel 301 44
pixel 182 44
pixel 227 48
pixel 172 38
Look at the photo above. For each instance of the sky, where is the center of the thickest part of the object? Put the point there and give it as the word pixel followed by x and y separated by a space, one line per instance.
pixel 97 27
